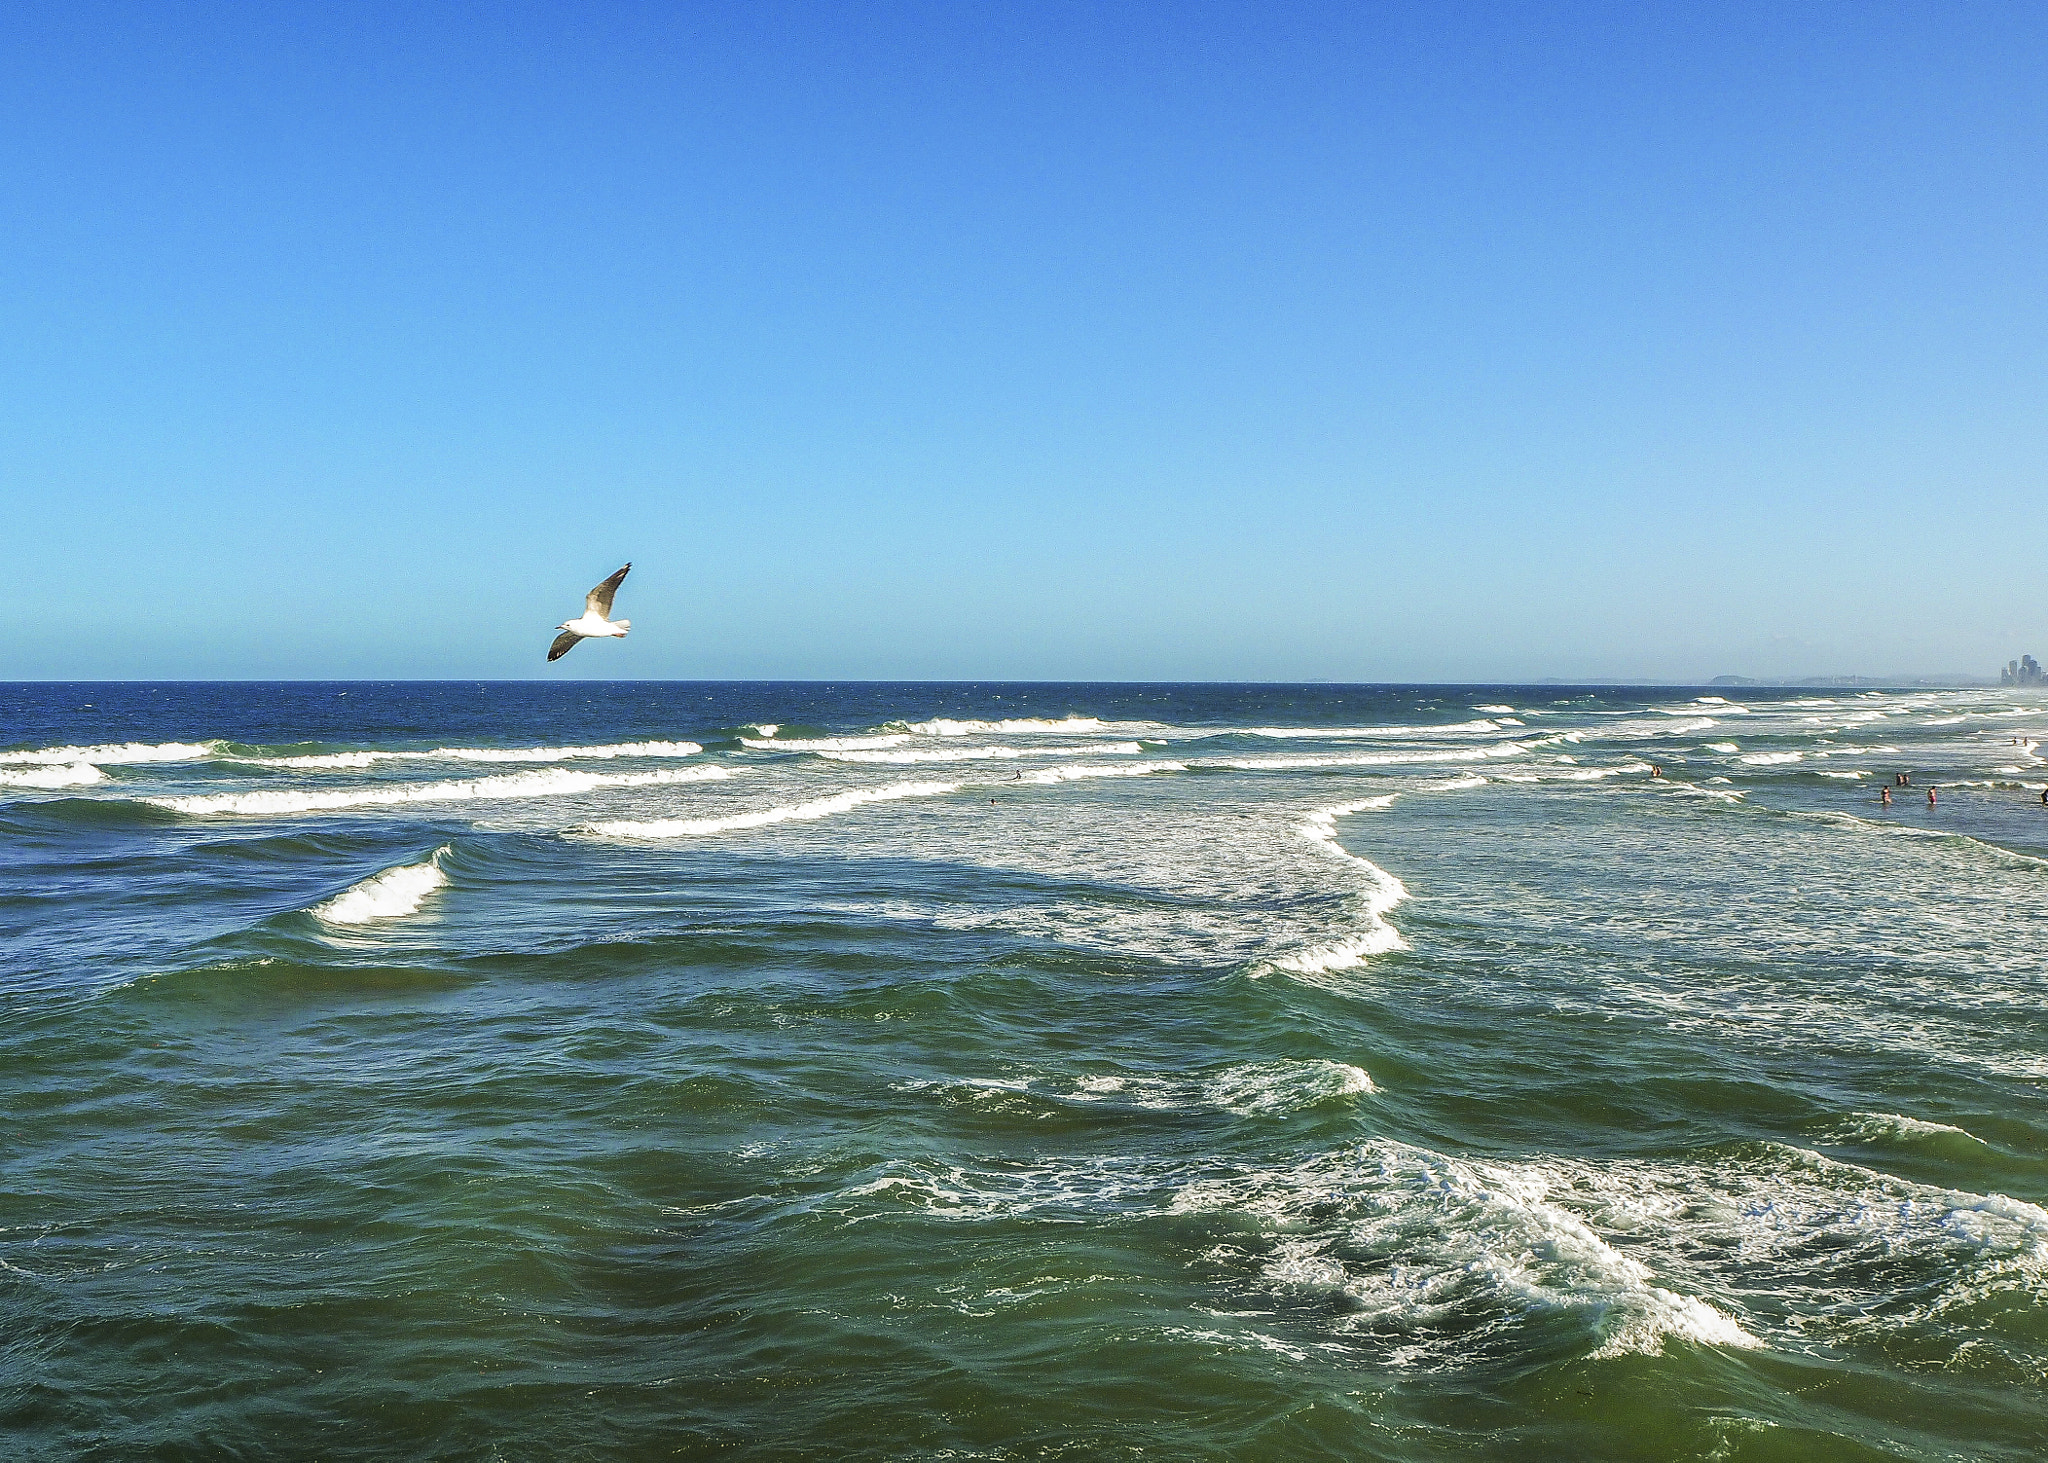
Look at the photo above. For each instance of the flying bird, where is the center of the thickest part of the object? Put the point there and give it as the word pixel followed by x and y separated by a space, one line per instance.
pixel 596 620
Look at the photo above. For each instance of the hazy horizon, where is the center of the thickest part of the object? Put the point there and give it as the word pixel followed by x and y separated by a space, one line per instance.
pixel 1930 681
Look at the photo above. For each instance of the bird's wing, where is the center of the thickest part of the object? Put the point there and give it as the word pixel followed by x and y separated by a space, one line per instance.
pixel 599 601
pixel 564 643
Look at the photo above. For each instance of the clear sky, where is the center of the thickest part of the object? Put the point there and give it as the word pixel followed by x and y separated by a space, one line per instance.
pixel 1254 341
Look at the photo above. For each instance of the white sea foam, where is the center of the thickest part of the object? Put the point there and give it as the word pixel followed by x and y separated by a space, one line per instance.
pixel 1072 726
pixel 1378 892
pixel 1279 1087
pixel 335 761
pixel 1364 759
pixel 317 761
pixel 1845 776
pixel 1502 710
pixel 1435 1261
pixel 389 895
pixel 1722 747
pixel 768 728
pixel 1879 1127
pixel 826 744
pixel 1313 733
pixel 1771 759
pixel 1625 731
pixel 552 783
pixel 1479 1246
pixel 817 808
pixel 1257 1089
pixel 907 756
pixel 77 774
pixel 1045 776
pixel 114 755
pixel 1581 774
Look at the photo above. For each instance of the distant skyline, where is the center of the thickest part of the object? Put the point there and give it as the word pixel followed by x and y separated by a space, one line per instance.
pixel 1212 342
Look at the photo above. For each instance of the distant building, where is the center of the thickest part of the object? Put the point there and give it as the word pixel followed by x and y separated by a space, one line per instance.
pixel 2026 671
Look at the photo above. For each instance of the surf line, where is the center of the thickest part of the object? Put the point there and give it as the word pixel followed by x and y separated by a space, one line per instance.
pixel 788 812
pixel 1379 893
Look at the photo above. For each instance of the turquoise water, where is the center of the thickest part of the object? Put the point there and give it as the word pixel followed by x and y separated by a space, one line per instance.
pixel 1182 1072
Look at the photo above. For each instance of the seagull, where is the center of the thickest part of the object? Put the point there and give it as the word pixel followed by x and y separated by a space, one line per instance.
pixel 596 620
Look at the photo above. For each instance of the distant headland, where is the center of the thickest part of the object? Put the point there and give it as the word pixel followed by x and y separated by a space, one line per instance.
pixel 1918 683
pixel 2026 671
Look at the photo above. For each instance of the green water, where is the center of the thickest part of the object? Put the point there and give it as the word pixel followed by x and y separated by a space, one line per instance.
pixel 1542 1109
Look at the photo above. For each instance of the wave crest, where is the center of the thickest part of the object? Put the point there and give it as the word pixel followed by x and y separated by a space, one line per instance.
pixel 817 808
pixel 115 754
pixel 390 895
pixel 77 774
pixel 552 783
pixel 320 761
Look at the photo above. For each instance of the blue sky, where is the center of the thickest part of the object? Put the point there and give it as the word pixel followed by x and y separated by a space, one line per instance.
pixel 1376 342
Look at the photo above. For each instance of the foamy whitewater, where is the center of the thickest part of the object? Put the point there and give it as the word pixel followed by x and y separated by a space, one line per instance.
pixel 1003 1072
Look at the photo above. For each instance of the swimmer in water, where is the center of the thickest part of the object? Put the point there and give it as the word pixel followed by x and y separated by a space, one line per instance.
pixel 1655 770
pixel 1930 797
pixel 1884 796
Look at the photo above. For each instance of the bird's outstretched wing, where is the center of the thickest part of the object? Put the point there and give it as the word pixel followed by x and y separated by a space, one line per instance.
pixel 599 601
pixel 564 643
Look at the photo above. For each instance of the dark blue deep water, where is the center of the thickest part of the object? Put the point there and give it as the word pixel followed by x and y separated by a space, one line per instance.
pixel 635 1071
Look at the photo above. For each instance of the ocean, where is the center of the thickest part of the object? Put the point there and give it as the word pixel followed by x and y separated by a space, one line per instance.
pixel 592 1071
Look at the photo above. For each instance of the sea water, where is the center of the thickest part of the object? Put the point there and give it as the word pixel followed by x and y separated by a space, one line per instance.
pixel 622 1071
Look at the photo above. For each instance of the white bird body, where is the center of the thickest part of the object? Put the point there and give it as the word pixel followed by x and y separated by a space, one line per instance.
pixel 592 627
pixel 595 623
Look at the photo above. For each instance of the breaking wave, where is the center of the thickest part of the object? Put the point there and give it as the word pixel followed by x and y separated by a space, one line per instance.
pixel 1045 776
pixel 981 754
pixel 337 760
pixel 817 808
pixel 389 895
pixel 1364 759
pixel 1379 891
pixel 826 744
pixel 511 785
pixel 78 774
pixel 1313 733
pixel 1484 1249
pixel 1073 726
pixel 1878 1127
pixel 113 755
pixel 1257 1089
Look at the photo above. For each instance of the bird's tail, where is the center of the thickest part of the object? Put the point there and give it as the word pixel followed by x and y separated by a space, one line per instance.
pixel 623 625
